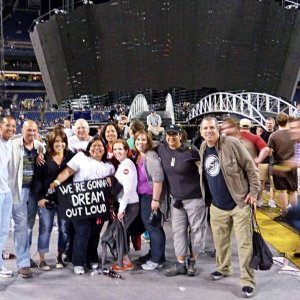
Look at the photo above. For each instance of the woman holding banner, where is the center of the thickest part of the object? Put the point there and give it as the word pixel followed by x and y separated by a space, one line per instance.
pixel 150 182
pixel 128 198
pixel 56 159
pixel 86 166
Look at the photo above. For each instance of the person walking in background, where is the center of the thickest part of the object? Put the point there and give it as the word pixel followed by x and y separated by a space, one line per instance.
pixel 230 184
pixel 7 131
pixel 263 168
pixel 189 214
pixel 68 127
pixel 296 113
pixel 283 149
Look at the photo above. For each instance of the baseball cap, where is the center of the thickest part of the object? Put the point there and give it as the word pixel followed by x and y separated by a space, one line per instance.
pixel 245 123
pixel 173 128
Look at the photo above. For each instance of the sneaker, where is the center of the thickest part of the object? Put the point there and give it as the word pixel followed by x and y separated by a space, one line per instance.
pixel 150 266
pixel 126 267
pixel 272 203
pixel 42 265
pixel 94 265
pixel 79 270
pixel 260 203
pixel 33 264
pixel 191 267
pixel 7 255
pixel 25 272
pixel 247 291
pixel 280 218
pixel 59 263
pixel 4 273
pixel 217 275
pixel 297 254
pixel 177 269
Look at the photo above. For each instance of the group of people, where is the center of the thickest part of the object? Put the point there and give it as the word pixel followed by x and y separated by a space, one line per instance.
pixel 171 178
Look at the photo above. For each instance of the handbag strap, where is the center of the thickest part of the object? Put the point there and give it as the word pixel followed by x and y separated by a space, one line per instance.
pixel 254 220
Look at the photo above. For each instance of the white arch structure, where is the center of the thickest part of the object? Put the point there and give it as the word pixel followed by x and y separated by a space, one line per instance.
pixel 249 105
pixel 268 103
pixel 226 103
pixel 139 104
pixel 170 107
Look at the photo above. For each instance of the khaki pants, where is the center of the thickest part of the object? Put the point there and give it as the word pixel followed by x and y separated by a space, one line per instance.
pixel 192 214
pixel 222 223
pixel 156 130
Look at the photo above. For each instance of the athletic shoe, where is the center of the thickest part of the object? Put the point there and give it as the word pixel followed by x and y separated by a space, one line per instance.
pixel 150 266
pixel 25 272
pixel 260 203
pixel 280 218
pixel 177 269
pixel 4 273
pixel 191 267
pixel 7 255
pixel 217 275
pixel 272 203
pixel 79 270
pixel 59 263
pixel 42 265
pixel 247 291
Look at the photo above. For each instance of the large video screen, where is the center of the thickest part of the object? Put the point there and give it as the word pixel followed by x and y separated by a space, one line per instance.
pixel 131 45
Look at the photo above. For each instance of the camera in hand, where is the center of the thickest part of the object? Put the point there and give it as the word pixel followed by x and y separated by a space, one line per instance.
pixel 155 218
pixel 49 204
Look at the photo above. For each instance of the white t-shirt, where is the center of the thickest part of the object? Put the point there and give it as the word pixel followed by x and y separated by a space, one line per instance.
pixel 88 168
pixel 76 145
pixel 5 154
pixel 127 176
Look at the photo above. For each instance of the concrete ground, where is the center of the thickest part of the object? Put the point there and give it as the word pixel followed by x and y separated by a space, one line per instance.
pixel 140 284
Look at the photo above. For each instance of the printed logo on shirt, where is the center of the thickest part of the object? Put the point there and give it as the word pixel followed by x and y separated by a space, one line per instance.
pixel 125 171
pixel 212 165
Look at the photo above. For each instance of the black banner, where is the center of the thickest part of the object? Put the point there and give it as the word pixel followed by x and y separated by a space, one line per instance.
pixel 85 199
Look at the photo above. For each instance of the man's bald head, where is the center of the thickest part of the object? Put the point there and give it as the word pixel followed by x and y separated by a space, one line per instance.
pixel 29 131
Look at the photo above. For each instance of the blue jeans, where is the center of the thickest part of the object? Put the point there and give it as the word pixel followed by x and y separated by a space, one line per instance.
pixel 157 234
pixel 45 229
pixel 5 215
pixel 23 220
pixel 82 229
pixel 32 208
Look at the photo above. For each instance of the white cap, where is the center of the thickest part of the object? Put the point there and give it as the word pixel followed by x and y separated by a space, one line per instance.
pixel 245 123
